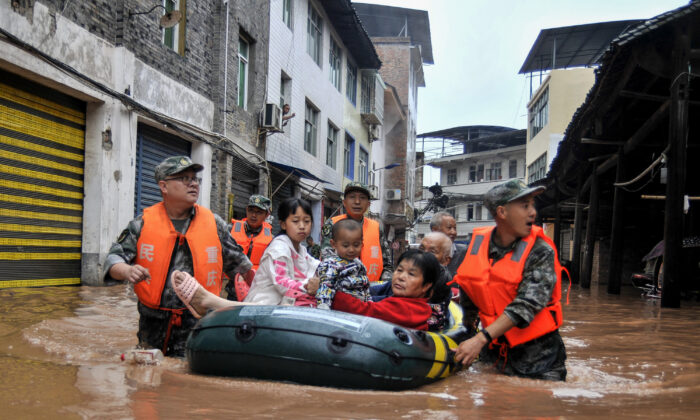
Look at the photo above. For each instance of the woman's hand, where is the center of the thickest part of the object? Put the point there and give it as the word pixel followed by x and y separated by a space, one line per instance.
pixel 469 350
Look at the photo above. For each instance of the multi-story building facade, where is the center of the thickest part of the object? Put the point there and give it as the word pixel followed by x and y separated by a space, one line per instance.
pixel 402 40
pixel 96 94
pixel 487 160
pixel 323 65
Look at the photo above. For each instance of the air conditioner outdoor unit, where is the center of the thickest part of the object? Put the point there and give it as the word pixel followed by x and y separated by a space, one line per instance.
pixel 393 194
pixel 374 132
pixel 272 117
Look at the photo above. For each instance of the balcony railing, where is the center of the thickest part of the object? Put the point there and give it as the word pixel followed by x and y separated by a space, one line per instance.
pixel 371 98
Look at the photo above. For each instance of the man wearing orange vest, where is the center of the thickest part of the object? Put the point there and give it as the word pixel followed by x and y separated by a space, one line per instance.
pixel 375 252
pixel 174 234
pixel 512 277
pixel 253 234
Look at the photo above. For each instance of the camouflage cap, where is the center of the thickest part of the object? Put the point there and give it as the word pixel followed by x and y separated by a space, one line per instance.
pixel 358 186
pixel 174 165
pixel 504 193
pixel 260 201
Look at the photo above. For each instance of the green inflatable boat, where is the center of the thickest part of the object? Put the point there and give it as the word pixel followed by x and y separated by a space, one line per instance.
pixel 320 347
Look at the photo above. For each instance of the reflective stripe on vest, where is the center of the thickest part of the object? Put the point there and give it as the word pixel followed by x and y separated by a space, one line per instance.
pixel 260 241
pixel 493 287
pixel 371 254
pixel 155 248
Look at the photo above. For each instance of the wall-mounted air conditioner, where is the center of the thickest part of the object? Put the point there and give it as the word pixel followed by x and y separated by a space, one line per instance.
pixel 272 117
pixel 394 194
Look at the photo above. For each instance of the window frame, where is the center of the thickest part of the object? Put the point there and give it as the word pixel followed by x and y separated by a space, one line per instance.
pixel 287 13
pixel 332 145
pixel 314 35
pixel 538 114
pixel 349 156
pixel 363 165
pixel 311 128
pixel 451 176
pixel 242 100
pixel 512 168
pixel 335 61
pixel 177 32
pixel 351 82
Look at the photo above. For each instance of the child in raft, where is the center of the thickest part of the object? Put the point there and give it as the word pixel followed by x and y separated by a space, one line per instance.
pixel 343 271
pixel 412 282
pixel 286 266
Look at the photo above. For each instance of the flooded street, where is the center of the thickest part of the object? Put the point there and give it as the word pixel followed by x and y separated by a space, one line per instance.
pixel 60 350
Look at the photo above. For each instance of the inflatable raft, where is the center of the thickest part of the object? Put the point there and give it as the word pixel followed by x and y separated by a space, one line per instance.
pixel 319 347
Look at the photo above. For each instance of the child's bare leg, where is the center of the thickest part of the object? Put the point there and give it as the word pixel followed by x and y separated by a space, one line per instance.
pixel 202 300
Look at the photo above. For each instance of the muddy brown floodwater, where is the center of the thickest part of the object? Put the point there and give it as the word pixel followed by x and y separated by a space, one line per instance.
pixel 60 347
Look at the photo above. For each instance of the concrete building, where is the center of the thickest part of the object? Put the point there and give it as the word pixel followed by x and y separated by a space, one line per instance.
pixel 402 40
pixel 95 95
pixel 490 155
pixel 566 58
pixel 319 59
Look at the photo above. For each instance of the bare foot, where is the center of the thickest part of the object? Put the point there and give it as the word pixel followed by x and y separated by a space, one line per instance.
pixel 197 299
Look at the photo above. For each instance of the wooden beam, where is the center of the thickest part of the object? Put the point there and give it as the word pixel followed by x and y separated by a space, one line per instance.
pixel 557 216
pixel 676 172
pixel 591 226
pixel 647 127
pixel 616 239
pixel 578 229
pixel 587 140
pixel 649 97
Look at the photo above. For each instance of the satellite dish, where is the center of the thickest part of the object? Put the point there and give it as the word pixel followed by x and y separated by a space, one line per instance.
pixel 170 19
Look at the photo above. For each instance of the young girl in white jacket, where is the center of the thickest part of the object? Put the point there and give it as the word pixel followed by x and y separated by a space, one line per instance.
pixel 286 266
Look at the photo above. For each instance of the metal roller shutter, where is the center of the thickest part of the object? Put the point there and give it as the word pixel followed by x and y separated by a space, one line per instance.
pixel 244 184
pixel 42 142
pixel 153 146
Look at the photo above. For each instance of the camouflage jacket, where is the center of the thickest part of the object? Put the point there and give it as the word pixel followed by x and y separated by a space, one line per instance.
pixel 534 290
pixel 327 249
pixel 124 250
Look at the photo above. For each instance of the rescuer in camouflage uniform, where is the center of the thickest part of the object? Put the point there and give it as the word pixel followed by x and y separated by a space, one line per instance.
pixel 543 357
pixel 153 323
pixel 356 210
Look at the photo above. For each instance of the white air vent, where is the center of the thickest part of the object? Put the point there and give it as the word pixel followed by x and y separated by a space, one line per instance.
pixel 272 117
pixel 393 194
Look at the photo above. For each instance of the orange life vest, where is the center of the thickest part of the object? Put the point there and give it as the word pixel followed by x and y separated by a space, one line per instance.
pixel 155 248
pixel 260 241
pixel 371 254
pixel 492 287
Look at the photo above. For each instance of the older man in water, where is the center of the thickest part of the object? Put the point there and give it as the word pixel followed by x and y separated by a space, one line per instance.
pixel 174 234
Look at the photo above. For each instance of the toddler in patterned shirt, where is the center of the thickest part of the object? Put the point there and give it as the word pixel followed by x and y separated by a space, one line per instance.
pixel 344 271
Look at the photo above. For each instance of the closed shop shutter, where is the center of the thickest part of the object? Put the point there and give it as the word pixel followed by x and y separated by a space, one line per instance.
pixel 42 142
pixel 286 191
pixel 244 183
pixel 153 146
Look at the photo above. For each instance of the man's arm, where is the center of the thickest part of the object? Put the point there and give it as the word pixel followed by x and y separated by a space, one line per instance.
pixel 388 270
pixel 326 235
pixel 122 253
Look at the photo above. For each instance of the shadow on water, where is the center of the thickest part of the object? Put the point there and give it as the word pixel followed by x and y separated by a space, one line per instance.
pixel 60 348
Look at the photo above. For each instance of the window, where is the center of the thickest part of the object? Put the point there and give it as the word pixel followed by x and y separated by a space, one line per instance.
pixel 538 169
pixel 310 129
pixel 331 145
pixel 477 211
pixel 287 13
pixel 313 31
pixel 513 169
pixel 243 51
pixel 366 93
pixel 472 173
pixel 538 113
pixel 480 172
pixel 364 169
pixel 452 212
pixel 285 90
pixel 174 38
pixel 451 176
pixel 494 172
pixel 349 156
pixel 334 61
pixel 351 83
pixel 470 212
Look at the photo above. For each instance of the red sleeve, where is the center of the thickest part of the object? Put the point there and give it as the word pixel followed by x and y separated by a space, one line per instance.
pixel 407 312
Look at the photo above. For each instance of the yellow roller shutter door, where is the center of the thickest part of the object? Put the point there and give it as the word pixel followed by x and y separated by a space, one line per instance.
pixel 42 142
